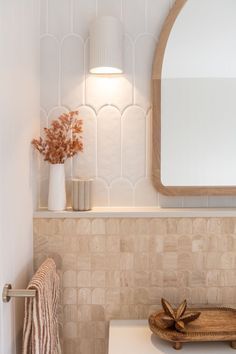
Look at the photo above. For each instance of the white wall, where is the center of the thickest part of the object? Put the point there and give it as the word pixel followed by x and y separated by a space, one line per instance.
pixel 116 111
pixel 19 102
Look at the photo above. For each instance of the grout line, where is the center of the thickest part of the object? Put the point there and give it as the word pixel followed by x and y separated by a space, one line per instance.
pixel 85 74
pixel 158 199
pixel 47 119
pixel 96 144
pixel 39 185
pixel 121 144
pixel 145 15
pixel 145 147
pixel 108 194
pixel 72 16
pixel 96 5
pixel 72 163
pixel 47 17
pixel 134 196
pixel 40 181
pixel 121 11
pixel 71 167
pixel 147 144
pixel 133 72
pixel 59 75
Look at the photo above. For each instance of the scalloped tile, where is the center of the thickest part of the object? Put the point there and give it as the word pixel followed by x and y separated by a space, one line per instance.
pixel 121 193
pixel 72 72
pixel 115 90
pixel 143 69
pixel 83 16
pixel 84 164
pixel 134 17
pixel 109 8
pixel 100 193
pixel 134 143
pixel 109 143
pixel 49 71
pixel 145 194
pixel 157 11
pixel 101 91
pixel 59 16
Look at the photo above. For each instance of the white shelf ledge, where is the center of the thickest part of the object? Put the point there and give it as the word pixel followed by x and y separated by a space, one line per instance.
pixel 135 336
pixel 137 213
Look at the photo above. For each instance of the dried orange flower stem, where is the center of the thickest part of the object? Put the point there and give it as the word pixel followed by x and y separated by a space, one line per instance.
pixel 62 139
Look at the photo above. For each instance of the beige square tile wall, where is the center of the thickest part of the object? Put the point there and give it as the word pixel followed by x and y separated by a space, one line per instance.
pixel 120 269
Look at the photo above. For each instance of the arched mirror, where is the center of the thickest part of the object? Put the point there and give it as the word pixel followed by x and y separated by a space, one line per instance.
pixel 194 100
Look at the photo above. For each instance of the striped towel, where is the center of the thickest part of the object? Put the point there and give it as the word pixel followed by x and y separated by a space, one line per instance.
pixel 40 333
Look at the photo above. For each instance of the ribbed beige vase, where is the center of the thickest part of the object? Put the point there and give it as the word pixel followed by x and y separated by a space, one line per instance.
pixel 81 194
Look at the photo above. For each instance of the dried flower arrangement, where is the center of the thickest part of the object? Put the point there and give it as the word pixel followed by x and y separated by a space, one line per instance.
pixel 62 139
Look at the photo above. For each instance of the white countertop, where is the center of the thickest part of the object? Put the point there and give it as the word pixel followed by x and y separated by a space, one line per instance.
pixel 155 212
pixel 135 337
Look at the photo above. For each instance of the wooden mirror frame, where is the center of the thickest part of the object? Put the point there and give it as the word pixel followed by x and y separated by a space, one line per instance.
pixel 156 119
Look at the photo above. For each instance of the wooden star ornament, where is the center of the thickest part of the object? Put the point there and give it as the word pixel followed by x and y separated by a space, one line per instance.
pixel 177 318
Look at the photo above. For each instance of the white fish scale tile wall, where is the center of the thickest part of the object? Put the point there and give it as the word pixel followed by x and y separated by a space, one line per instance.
pixel 116 110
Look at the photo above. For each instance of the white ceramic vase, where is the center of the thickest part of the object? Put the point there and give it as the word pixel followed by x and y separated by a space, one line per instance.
pixel 57 188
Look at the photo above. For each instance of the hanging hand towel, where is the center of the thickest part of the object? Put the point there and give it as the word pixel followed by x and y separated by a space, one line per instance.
pixel 40 334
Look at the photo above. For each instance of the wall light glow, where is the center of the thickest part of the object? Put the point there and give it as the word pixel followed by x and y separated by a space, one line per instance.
pixel 105 70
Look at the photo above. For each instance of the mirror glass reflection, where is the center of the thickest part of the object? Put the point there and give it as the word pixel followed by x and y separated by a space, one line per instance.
pixel 198 97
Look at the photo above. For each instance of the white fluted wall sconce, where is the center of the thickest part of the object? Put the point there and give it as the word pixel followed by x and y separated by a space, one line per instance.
pixel 106 46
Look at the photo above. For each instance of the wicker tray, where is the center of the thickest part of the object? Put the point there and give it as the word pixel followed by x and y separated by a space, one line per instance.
pixel 214 324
